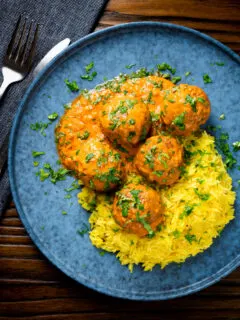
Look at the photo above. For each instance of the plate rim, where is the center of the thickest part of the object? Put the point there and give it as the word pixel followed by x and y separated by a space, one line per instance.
pixel 169 294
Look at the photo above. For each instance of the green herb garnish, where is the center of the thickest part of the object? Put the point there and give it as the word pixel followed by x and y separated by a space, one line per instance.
pixel 39 126
pixel 83 231
pixel 53 116
pixel 236 146
pixel 89 67
pixel 187 211
pixel 129 66
pixel 202 196
pixel 89 157
pixel 206 78
pixel 192 101
pixel 37 153
pixel 190 238
pixel 165 66
pixel 176 79
pixel 84 136
pixel 73 86
pixel 179 121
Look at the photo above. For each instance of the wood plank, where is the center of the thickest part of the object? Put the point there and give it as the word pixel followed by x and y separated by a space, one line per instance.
pixel 111 18
pixel 113 305
pixel 17 251
pixel 10 212
pixel 7 239
pixel 12 222
pixel 29 269
pixel 18 231
pixel 210 315
pixel 70 289
pixel 214 9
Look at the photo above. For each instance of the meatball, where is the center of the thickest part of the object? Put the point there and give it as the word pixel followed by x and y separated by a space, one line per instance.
pixel 146 88
pixel 125 120
pixel 137 208
pixel 98 165
pixel 159 159
pixel 184 109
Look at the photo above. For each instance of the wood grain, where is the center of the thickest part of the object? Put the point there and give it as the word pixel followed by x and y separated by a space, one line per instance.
pixel 32 288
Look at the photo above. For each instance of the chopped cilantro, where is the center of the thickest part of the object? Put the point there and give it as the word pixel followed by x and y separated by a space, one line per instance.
pixel 84 136
pixel 83 231
pixel 137 203
pixel 64 212
pixel 102 253
pixel 192 101
pixel 54 176
pixel 145 224
pixel 236 146
pixel 187 211
pixel 154 116
pixel 187 73
pixel 37 153
pixel 129 66
pixel 165 66
pixel 179 121
pixel 67 106
pixel 206 78
pixel 200 99
pixel 89 77
pixel 158 173
pixel 229 160
pixel 176 79
pixel 53 116
pixel 39 126
pixel 89 67
pixel 190 238
pixel 220 64
pixel 89 157
pixel 35 163
pixel 131 135
pixel 42 174
pixel 67 196
pixel 110 177
pixel 73 86
pixel 176 234
pixel 222 117
pixel 123 203
pixel 132 121
pixel 202 196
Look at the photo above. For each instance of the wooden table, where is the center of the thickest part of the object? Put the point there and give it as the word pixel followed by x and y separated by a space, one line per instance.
pixel 31 288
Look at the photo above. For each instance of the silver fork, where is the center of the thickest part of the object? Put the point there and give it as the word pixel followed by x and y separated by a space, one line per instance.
pixel 19 56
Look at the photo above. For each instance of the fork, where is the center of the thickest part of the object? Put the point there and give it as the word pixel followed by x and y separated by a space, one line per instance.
pixel 16 65
pixel 19 56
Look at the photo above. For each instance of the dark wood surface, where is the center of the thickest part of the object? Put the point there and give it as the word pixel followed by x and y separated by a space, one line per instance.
pixel 32 288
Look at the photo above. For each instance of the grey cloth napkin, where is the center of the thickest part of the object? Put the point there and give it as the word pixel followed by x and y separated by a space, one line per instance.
pixel 59 19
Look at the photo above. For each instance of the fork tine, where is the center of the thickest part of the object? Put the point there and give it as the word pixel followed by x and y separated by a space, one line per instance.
pixel 13 38
pixel 33 47
pixel 19 45
pixel 24 47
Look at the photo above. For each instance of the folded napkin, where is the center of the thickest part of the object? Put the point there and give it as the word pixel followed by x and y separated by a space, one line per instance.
pixel 59 19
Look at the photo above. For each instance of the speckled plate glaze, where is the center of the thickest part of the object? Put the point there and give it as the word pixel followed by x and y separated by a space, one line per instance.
pixel 40 204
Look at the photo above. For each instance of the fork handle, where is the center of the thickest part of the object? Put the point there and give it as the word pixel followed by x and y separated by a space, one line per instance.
pixel 9 76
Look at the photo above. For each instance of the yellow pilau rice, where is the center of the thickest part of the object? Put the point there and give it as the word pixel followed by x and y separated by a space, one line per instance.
pixel 205 186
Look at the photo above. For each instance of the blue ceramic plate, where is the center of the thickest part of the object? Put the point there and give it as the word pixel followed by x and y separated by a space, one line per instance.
pixel 40 205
